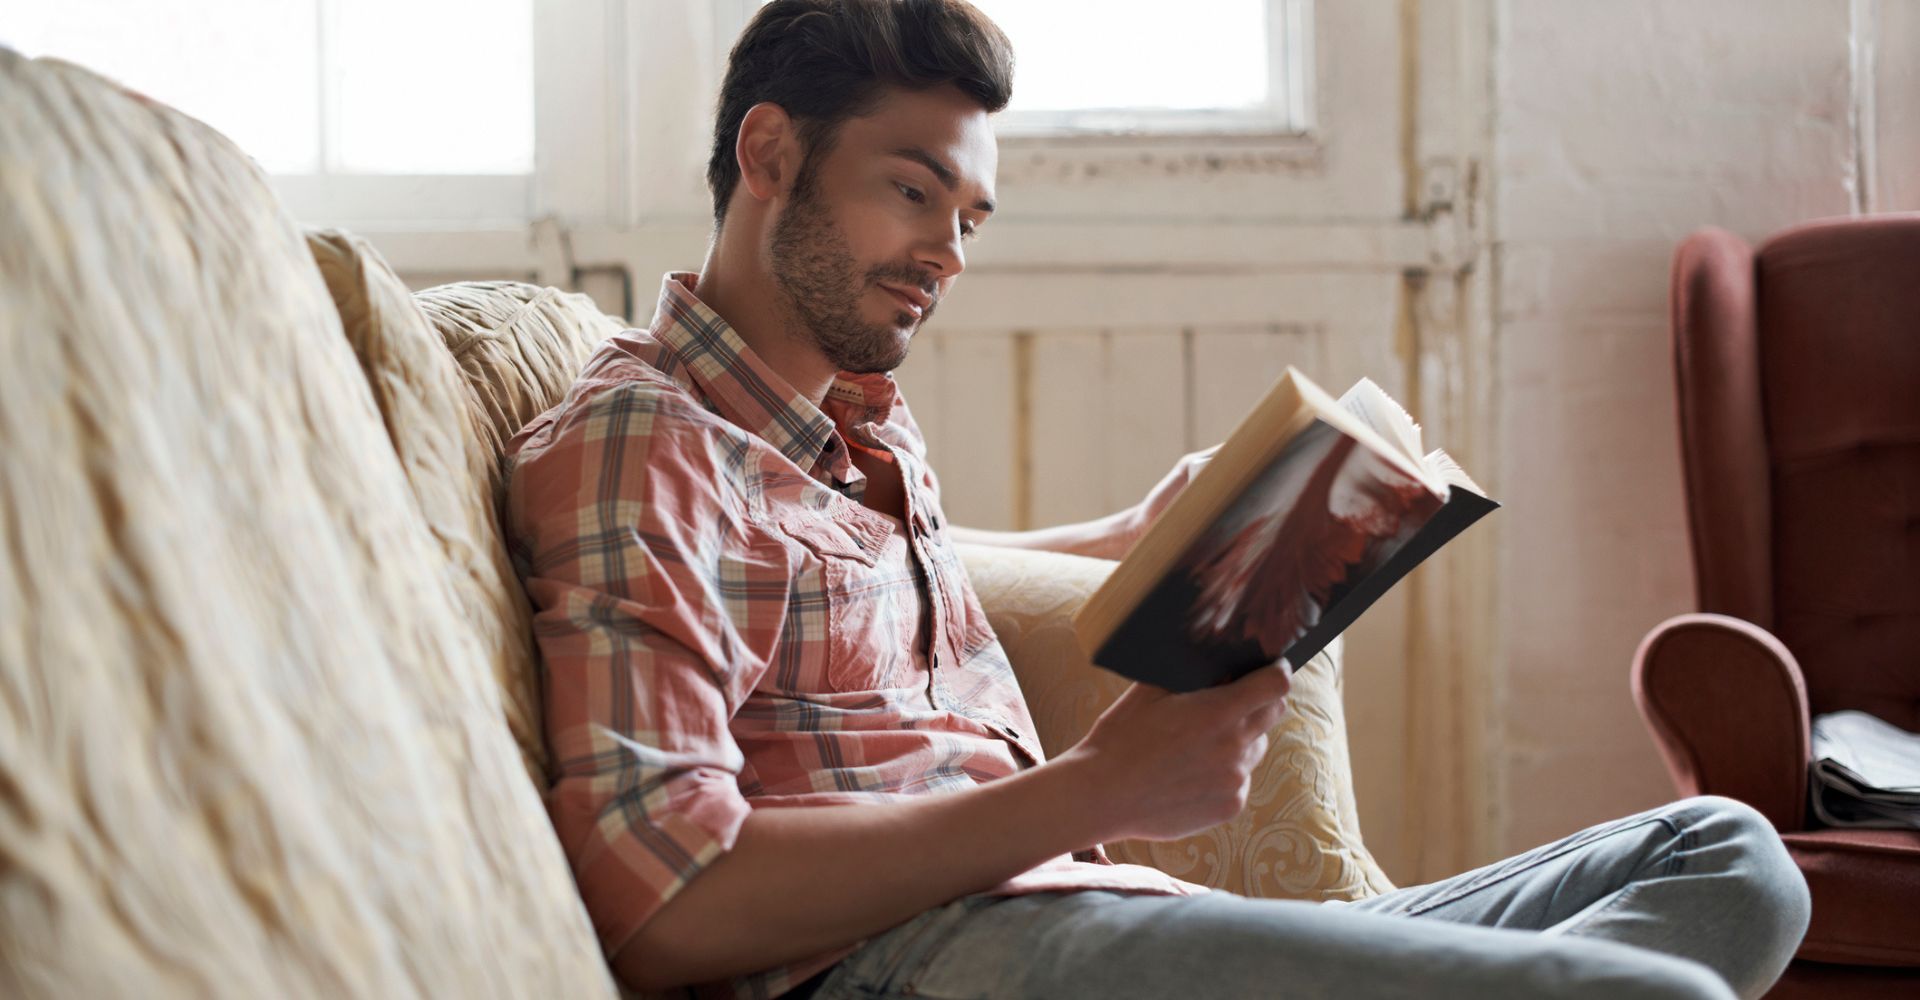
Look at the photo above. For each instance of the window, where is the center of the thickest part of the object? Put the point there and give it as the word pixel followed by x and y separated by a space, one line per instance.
pixel 1137 67
pixel 1132 67
pixel 359 108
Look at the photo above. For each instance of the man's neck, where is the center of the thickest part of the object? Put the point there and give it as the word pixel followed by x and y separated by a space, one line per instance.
pixel 748 300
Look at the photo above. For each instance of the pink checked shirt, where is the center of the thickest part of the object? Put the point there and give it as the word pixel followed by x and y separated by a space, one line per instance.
pixel 724 627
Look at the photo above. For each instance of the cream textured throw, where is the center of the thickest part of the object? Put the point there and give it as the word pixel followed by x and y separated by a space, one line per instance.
pixel 250 743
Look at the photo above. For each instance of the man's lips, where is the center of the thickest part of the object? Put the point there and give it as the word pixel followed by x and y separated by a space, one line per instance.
pixel 912 298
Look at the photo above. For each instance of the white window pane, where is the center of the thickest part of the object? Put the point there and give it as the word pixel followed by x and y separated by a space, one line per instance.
pixel 245 67
pixel 1072 55
pixel 433 86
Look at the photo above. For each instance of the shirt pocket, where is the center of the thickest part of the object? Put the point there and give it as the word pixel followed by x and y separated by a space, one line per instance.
pixel 849 594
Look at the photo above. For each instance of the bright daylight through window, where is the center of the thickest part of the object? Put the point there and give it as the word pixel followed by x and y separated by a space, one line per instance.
pixel 1218 66
pixel 365 87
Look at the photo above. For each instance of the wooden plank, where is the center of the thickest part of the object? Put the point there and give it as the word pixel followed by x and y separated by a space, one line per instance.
pixel 1068 437
pixel 1231 367
pixel 975 463
pixel 1144 411
pixel 920 384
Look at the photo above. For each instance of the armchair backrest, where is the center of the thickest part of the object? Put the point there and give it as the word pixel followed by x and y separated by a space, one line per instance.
pixel 1798 370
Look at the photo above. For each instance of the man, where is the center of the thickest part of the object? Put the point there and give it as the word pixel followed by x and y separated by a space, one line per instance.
pixel 789 755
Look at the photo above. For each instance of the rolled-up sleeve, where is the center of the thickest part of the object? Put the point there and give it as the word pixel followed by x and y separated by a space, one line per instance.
pixel 655 613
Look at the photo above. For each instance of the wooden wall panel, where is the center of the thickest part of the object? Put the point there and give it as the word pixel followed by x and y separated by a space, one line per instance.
pixel 1068 437
pixel 970 422
pixel 1144 411
pixel 1232 367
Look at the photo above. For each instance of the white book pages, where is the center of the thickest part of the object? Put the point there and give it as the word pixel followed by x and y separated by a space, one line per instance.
pixel 1367 401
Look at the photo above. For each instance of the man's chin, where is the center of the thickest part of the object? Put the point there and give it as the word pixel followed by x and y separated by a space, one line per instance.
pixel 875 363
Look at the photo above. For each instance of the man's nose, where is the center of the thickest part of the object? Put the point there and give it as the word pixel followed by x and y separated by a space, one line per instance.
pixel 943 253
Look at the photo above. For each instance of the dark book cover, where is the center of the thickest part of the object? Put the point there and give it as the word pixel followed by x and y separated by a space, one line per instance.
pixel 1319 535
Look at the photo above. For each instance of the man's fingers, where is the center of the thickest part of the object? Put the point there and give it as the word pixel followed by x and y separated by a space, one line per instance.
pixel 1272 714
pixel 1254 691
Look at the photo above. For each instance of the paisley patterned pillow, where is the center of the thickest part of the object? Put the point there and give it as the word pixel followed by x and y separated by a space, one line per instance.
pixel 1299 837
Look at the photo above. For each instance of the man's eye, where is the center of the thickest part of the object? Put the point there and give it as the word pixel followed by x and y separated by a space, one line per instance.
pixel 967 232
pixel 913 194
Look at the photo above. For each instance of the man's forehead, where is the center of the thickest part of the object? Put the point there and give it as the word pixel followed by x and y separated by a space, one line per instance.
pixel 942 125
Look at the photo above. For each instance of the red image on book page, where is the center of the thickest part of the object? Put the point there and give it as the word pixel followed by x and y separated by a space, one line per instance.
pixel 1324 515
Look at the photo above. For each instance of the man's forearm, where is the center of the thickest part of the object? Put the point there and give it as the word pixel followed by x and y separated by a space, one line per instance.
pixel 806 880
pixel 1104 538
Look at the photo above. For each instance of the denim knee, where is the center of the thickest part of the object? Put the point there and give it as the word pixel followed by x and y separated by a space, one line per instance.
pixel 1767 871
pixel 1668 978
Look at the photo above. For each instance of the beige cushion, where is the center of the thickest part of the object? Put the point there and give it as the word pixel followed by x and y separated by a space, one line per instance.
pixel 519 347
pixel 1299 837
pixel 456 370
pixel 513 349
pixel 444 434
pixel 249 745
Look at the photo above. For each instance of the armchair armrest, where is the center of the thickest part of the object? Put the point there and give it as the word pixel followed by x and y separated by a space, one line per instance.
pixel 1727 706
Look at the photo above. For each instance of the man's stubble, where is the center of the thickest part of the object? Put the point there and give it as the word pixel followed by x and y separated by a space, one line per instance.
pixel 815 270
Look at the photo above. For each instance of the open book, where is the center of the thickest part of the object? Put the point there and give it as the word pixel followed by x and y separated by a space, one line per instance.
pixel 1311 509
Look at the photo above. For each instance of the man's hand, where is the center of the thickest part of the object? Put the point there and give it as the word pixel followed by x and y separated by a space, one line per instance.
pixel 1142 515
pixel 799 881
pixel 1167 765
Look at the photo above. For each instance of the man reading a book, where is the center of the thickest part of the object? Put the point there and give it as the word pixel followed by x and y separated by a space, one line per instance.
pixel 789 755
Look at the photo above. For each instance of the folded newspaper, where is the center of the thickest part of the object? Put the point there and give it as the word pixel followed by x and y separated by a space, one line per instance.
pixel 1866 772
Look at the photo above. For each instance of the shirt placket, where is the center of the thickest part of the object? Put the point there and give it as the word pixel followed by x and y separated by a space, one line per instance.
pixel 920 519
pixel 941 654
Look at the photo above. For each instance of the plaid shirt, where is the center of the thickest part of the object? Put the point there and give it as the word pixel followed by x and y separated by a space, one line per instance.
pixel 724 627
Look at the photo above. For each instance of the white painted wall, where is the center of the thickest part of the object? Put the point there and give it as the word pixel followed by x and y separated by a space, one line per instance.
pixel 1621 127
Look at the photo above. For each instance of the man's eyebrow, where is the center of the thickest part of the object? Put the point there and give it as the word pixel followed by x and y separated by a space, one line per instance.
pixel 948 179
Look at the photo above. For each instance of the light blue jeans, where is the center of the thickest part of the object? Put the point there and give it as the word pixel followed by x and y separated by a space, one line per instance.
pixel 1694 899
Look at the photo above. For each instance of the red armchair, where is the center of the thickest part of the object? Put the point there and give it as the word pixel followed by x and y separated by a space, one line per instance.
pixel 1798 367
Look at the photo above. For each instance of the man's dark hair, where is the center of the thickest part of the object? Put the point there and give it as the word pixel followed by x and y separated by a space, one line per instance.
pixel 825 61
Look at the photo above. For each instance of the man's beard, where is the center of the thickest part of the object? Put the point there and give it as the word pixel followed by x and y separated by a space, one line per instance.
pixel 815 269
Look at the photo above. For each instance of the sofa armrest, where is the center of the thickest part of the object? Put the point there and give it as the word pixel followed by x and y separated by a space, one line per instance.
pixel 1727 706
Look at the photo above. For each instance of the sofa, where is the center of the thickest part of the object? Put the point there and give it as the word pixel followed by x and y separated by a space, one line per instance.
pixel 269 705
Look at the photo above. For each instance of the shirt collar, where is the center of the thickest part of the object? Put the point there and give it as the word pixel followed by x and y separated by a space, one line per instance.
pixel 747 391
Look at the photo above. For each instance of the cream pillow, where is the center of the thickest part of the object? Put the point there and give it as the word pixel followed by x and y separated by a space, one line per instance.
pixel 445 438
pixel 518 347
pixel 1299 837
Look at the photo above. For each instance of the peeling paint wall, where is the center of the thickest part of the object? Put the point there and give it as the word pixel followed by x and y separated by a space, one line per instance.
pixel 1620 128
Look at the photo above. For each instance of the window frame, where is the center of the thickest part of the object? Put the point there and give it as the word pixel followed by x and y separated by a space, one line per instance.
pixel 409 200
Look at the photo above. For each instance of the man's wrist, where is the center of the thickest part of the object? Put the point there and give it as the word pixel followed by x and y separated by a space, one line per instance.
pixel 1108 537
pixel 1076 785
pixel 1127 527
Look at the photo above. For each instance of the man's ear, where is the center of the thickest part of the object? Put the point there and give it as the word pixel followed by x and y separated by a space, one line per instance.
pixel 768 151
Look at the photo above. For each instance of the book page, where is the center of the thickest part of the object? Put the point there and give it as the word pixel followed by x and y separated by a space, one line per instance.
pixel 1388 419
pixel 1446 468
